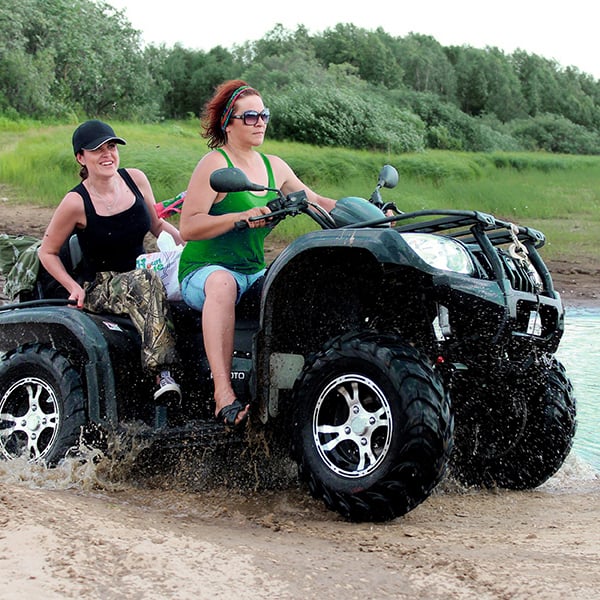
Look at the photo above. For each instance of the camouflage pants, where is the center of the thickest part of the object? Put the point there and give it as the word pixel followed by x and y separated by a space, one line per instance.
pixel 140 295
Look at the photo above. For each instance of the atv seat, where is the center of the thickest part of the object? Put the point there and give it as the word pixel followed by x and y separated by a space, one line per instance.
pixel 188 323
pixel 248 309
pixel 71 255
pixel 46 287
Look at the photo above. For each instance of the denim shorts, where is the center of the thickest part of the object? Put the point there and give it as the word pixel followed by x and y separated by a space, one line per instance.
pixel 192 287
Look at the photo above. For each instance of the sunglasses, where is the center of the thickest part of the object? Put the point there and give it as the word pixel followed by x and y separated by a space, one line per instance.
pixel 250 117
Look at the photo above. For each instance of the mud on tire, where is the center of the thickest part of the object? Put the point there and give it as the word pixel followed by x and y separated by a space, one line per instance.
pixel 524 434
pixel 372 427
pixel 42 405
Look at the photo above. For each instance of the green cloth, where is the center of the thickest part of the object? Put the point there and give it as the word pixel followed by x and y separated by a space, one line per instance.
pixel 19 263
pixel 239 250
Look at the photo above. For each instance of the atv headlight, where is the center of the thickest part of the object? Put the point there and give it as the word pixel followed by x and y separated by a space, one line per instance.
pixel 440 252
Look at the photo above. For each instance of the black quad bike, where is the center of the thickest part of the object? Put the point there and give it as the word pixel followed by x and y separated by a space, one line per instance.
pixel 381 350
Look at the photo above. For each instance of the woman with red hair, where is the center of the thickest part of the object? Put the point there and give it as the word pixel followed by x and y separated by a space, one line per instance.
pixel 220 262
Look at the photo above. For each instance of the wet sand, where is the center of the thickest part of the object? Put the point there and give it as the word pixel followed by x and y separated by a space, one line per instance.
pixel 64 534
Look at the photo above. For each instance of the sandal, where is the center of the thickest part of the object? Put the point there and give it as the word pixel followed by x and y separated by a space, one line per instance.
pixel 228 414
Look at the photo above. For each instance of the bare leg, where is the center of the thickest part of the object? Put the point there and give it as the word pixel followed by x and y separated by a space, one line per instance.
pixel 218 323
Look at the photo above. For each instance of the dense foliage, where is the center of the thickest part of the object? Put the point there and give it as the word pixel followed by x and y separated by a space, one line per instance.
pixel 346 86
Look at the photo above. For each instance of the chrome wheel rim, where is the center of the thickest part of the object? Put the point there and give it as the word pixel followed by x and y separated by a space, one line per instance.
pixel 352 426
pixel 29 419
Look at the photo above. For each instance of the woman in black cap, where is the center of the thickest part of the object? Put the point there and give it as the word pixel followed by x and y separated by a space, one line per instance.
pixel 111 211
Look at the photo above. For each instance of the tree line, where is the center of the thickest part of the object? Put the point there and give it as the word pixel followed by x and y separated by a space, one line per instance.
pixel 346 86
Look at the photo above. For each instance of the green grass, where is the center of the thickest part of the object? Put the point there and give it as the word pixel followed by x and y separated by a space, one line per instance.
pixel 557 194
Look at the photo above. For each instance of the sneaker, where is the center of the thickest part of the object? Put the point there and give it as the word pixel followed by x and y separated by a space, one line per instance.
pixel 168 392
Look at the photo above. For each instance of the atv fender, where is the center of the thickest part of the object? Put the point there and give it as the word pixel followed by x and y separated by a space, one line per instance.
pixel 92 343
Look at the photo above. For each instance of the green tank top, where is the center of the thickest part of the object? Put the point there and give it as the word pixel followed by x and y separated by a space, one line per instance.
pixel 238 250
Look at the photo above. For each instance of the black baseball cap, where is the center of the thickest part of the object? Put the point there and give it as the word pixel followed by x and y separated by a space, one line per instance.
pixel 92 134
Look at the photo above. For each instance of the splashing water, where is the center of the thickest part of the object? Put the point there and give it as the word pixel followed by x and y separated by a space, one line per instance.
pixel 84 468
pixel 129 460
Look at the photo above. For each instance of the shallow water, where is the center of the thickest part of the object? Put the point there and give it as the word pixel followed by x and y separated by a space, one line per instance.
pixel 579 354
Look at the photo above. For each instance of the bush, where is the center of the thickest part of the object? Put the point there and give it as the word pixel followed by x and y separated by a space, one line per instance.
pixel 448 128
pixel 555 134
pixel 343 117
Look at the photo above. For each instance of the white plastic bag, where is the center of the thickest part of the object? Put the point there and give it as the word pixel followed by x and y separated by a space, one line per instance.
pixel 166 242
pixel 166 263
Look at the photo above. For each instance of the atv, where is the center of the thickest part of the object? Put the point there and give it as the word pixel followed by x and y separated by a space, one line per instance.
pixel 381 350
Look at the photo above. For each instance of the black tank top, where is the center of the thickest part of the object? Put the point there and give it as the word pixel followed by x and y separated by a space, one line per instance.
pixel 112 243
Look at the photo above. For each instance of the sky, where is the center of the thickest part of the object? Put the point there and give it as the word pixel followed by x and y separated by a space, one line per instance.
pixel 566 32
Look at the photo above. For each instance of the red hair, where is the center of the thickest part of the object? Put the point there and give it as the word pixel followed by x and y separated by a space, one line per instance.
pixel 218 109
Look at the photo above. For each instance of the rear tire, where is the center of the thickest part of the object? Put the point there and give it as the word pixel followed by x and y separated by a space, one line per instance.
pixel 372 427
pixel 42 406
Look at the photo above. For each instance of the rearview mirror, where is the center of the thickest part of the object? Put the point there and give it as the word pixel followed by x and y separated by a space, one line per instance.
pixel 232 179
pixel 388 177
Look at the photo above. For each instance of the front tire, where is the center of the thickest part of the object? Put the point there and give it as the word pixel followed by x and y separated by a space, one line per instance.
pixel 372 427
pixel 42 406
pixel 517 440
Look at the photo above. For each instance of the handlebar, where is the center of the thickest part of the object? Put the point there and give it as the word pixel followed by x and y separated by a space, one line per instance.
pixel 281 207
pixel 232 179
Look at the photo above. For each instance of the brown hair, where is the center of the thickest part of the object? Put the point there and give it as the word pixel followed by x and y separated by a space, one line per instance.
pixel 83 170
pixel 217 110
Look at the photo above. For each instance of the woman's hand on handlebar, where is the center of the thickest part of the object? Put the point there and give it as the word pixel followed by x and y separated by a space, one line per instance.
pixel 249 215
